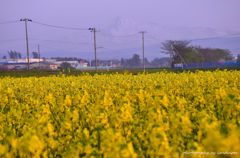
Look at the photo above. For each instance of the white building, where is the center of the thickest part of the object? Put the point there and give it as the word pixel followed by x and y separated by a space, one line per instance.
pixel 31 60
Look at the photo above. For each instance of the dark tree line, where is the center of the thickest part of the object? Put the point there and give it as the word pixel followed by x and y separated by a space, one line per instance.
pixel 134 62
pixel 17 55
pixel 35 55
pixel 14 54
pixel 183 52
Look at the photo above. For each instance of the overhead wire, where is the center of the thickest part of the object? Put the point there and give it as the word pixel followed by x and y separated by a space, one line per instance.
pixel 215 37
pixel 60 27
pixel 8 22
pixel 110 35
pixel 47 40
pixel 12 40
pixel 61 41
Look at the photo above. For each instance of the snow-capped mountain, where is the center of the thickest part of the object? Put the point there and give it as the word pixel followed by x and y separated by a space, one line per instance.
pixel 126 26
pixel 128 30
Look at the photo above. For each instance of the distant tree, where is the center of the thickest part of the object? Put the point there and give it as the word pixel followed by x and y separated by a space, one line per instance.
pixel 4 57
pixel 35 55
pixel 133 62
pixel 11 54
pixel 146 62
pixel 66 66
pixel 175 49
pixel 191 55
pixel 19 55
pixel 214 55
pixel 238 58
pixel 181 52
pixel 170 45
pixel 160 62
pixel 14 55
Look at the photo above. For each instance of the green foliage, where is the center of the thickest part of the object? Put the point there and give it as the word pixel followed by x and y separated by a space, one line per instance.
pixel 214 55
pixel 191 55
pixel 133 62
pixel 65 66
pixel 181 52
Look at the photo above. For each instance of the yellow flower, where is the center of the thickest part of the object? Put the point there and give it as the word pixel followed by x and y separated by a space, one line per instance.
pixel 86 133
pixel 3 149
pixel 165 101
pixel 35 145
pixel 50 129
pixel 85 98
pixel 221 93
pixel 88 149
pixel 14 143
pixel 75 115
pixel 68 125
pixel 107 100
pixel 131 150
pixel 68 100
pixel 160 114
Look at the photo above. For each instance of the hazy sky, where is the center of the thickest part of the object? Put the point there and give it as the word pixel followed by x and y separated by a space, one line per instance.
pixel 122 17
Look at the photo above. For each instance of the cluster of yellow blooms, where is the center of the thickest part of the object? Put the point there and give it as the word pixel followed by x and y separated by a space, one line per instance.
pixel 162 114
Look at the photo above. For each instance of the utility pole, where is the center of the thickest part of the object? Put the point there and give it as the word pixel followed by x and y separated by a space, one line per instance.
pixel 95 46
pixel 26 29
pixel 39 57
pixel 143 50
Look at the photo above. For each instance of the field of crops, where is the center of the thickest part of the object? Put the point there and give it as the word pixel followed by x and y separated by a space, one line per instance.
pixel 120 115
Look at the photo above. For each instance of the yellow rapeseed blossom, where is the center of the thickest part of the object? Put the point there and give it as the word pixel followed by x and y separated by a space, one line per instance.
pixel 35 146
pixel 161 114
pixel 68 100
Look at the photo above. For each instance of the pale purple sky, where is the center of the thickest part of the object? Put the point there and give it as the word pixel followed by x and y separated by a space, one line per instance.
pixel 162 19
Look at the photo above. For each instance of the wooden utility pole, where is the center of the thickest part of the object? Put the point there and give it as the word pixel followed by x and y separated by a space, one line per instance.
pixel 95 46
pixel 26 30
pixel 143 50
pixel 39 57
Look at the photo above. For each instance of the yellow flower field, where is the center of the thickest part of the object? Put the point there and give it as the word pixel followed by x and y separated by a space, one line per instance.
pixel 121 115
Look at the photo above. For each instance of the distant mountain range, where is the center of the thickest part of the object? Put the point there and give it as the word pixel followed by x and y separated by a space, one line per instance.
pixel 121 39
pixel 156 33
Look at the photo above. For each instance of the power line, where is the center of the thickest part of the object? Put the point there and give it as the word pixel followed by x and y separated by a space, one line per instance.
pixel 60 41
pixel 153 37
pixel 49 48
pixel 43 46
pixel 46 40
pixel 60 27
pixel 110 35
pixel 216 37
pixel 12 40
pixel 198 39
pixel 67 42
pixel 9 22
